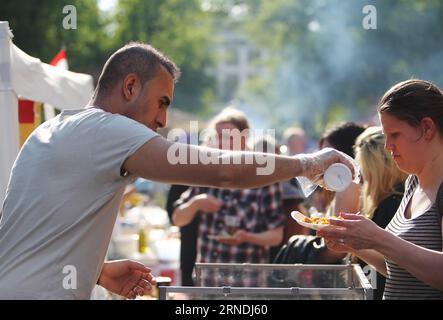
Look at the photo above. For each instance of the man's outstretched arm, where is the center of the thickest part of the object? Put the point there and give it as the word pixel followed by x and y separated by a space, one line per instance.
pixel 157 160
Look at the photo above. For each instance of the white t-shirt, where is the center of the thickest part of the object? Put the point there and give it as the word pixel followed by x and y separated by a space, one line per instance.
pixel 62 201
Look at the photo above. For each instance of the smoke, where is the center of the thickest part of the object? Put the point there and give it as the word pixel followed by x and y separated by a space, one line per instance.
pixel 316 67
pixel 333 63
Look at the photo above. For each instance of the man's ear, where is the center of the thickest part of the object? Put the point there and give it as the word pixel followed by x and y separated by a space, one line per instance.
pixel 131 87
pixel 429 128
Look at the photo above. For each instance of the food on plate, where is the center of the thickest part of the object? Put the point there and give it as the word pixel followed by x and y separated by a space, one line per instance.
pixel 320 220
pixel 314 223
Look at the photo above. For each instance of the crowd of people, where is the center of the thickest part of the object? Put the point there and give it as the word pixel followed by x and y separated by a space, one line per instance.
pixel 390 197
pixel 53 244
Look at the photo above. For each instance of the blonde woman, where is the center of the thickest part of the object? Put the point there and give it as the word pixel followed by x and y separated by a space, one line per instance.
pixel 383 184
pixel 382 180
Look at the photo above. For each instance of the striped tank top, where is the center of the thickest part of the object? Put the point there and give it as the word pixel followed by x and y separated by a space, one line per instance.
pixel 424 231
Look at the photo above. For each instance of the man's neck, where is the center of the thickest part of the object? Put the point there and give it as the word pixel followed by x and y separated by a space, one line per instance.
pixel 102 104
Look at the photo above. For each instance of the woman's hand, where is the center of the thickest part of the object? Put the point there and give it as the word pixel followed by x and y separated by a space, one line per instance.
pixel 355 232
pixel 337 246
pixel 126 278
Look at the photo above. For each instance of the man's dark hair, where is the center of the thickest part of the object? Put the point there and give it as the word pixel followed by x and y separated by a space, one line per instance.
pixel 138 58
pixel 342 137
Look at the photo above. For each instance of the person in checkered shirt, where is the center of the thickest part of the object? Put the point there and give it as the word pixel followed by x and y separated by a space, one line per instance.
pixel 258 212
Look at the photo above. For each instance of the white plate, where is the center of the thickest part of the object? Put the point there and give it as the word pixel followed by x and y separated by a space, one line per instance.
pixel 298 216
pixel 220 237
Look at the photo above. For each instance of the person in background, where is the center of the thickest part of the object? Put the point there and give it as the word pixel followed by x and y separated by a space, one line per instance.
pixel 188 236
pixel 295 139
pixel 409 251
pixel 383 182
pixel 258 211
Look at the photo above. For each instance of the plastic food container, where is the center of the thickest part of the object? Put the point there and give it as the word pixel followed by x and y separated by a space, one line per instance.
pixel 337 177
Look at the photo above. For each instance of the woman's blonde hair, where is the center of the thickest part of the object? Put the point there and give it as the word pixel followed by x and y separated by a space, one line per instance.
pixel 380 174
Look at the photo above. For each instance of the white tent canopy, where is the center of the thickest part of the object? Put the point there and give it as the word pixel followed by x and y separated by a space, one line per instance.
pixel 26 77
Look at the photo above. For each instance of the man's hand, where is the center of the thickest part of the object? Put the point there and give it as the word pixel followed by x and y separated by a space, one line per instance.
pixel 126 278
pixel 239 237
pixel 206 203
pixel 313 165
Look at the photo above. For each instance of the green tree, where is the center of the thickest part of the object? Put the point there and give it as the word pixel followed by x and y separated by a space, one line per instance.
pixel 34 25
pixel 38 30
pixel 184 32
pixel 179 28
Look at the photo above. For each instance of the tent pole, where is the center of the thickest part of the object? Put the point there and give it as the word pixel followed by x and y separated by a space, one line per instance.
pixel 9 128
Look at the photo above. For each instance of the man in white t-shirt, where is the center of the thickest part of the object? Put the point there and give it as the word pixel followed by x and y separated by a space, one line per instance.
pixel 67 181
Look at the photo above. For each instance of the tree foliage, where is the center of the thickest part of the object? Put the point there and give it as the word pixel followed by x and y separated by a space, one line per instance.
pixel 183 31
pixel 179 28
pixel 321 62
pixel 38 30
pixel 325 63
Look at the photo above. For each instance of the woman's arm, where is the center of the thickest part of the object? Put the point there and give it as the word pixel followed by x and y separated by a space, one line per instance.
pixel 337 250
pixel 360 233
pixel 424 264
pixel 158 160
pixel 373 258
